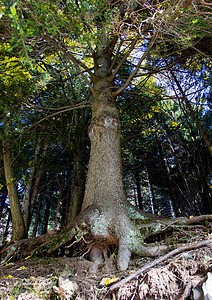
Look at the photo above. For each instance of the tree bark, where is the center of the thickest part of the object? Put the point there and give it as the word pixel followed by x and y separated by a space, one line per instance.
pixel 18 228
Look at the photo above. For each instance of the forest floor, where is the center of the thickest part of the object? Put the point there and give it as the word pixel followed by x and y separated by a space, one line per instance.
pixel 179 277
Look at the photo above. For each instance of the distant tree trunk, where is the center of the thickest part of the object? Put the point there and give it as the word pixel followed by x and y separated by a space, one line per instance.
pixel 36 185
pixel 3 199
pixel 17 216
pixel 66 204
pixel 78 180
pixel 26 205
pixel 59 203
pixel 37 216
pixel 203 186
pixel 172 193
pixel 188 190
pixel 153 203
pixel 138 187
pixel 7 226
pixel 46 214
pixel 170 181
pixel 34 193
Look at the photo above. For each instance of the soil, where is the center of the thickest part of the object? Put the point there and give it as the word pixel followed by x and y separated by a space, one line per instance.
pixel 180 277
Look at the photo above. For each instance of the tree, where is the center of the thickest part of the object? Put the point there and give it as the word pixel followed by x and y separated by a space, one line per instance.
pixel 103 30
pixel 13 81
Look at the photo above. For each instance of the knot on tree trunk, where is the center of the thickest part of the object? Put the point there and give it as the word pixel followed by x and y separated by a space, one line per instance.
pixel 103 122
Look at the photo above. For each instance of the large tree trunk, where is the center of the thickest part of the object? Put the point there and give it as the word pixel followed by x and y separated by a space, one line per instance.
pixel 105 206
pixel 104 189
pixel 18 232
pixel 104 186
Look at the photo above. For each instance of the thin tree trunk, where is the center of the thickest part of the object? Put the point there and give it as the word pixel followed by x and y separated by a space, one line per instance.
pixel 66 205
pixel 170 181
pixel 34 194
pixel 37 217
pixel 3 199
pixel 46 214
pixel 59 203
pixel 185 181
pixel 138 187
pixel 204 198
pixel 153 203
pixel 7 227
pixel 203 186
pixel 37 179
pixel 77 185
pixel 17 216
pixel 26 205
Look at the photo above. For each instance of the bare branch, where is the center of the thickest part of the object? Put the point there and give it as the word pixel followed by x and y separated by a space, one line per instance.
pixel 116 56
pixel 132 46
pixel 78 63
pixel 132 75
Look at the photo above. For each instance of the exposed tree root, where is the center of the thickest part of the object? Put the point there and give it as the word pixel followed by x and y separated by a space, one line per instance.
pixel 95 233
pixel 158 261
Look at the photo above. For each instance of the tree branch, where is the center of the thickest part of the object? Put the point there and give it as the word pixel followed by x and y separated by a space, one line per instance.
pixel 116 93
pixel 111 78
pixel 146 267
pixel 78 63
pixel 116 56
